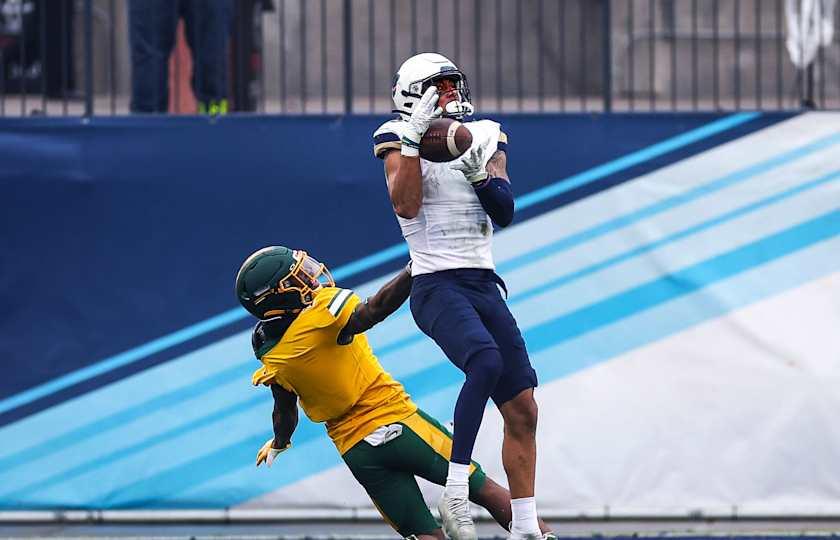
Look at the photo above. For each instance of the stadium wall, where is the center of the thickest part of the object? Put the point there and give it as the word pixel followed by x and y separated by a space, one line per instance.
pixel 675 276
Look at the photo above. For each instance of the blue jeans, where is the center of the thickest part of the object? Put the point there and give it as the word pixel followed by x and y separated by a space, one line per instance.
pixel 152 25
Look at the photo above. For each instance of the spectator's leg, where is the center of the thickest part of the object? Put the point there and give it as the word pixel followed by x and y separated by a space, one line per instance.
pixel 208 25
pixel 151 35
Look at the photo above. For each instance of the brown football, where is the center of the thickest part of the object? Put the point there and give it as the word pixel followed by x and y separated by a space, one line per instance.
pixel 445 140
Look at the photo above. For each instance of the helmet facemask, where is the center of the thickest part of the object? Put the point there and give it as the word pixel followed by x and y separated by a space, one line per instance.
pixel 459 107
pixel 418 73
pixel 293 292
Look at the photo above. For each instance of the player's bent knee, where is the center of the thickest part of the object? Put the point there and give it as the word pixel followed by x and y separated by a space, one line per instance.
pixel 520 415
pixel 487 363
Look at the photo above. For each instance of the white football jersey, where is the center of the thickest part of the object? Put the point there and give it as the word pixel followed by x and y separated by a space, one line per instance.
pixel 452 230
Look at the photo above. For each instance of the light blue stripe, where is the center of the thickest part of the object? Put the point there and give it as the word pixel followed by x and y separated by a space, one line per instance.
pixel 371 261
pixel 669 203
pixel 119 418
pixel 123 359
pixel 674 237
pixel 562 280
pixel 129 451
pixel 366 263
pixel 551 333
pixel 634 158
pixel 563 328
pixel 554 361
pixel 100 426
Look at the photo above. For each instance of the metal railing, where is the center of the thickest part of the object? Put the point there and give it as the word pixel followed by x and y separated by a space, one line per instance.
pixel 73 57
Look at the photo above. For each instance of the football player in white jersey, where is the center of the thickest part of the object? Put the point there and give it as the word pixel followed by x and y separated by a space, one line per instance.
pixel 446 212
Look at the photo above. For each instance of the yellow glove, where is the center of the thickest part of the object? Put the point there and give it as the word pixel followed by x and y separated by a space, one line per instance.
pixel 267 453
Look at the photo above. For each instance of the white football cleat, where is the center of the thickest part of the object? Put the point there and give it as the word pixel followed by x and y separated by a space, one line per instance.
pixel 514 535
pixel 534 536
pixel 457 521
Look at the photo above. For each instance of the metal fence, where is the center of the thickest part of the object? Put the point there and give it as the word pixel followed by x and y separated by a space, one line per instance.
pixel 73 57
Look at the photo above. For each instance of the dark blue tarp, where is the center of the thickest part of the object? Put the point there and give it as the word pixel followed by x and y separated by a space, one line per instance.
pixel 116 231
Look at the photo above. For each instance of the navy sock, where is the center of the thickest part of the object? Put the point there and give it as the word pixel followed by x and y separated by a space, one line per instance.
pixel 483 371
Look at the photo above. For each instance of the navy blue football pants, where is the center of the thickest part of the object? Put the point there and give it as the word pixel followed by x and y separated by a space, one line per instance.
pixel 464 313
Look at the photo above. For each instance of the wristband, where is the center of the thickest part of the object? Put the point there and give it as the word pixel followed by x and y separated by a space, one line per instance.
pixel 409 147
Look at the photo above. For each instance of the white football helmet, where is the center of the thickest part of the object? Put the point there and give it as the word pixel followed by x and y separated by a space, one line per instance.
pixel 421 70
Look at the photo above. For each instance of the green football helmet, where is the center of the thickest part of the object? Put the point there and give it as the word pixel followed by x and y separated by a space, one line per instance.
pixel 276 281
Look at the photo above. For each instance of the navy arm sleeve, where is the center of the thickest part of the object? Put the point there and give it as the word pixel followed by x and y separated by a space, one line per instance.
pixel 496 198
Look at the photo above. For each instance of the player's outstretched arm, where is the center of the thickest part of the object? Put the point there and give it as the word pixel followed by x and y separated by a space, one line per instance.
pixel 402 169
pixel 285 419
pixel 285 415
pixel 377 307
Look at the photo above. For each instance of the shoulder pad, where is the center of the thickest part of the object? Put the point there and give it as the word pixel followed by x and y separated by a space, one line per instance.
pixel 387 137
pixel 503 142
pixel 395 126
pixel 337 302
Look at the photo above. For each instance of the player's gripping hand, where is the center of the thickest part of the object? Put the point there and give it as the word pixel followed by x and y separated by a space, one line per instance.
pixel 473 165
pixel 268 453
pixel 422 115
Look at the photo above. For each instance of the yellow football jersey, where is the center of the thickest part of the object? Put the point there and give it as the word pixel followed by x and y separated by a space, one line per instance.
pixel 343 386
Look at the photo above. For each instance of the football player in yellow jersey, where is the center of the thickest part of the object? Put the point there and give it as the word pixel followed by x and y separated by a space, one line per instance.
pixel 310 341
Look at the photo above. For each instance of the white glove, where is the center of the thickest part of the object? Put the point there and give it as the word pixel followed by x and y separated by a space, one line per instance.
pixel 268 453
pixel 473 165
pixel 424 112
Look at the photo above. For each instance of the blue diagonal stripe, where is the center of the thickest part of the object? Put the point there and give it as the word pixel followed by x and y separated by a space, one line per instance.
pixel 674 237
pixel 670 203
pixel 570 325
pixel 564 328
pixel 371 261
pixel 100 426
pixel 134 449
pixel 633 159
pixel 117 419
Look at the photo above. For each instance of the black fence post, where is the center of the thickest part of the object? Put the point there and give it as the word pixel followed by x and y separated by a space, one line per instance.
pixel 348 57
pixel 808 101
pixel 606 54
pixel 88 58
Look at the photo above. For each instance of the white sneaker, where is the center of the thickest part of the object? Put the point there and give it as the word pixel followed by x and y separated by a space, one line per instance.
pixel 457 521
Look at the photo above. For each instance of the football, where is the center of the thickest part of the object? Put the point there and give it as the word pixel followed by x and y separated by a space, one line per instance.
pixel 445 140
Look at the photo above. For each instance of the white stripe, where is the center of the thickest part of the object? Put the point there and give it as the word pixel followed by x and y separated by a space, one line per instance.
pixel 338 301
pixel 450 139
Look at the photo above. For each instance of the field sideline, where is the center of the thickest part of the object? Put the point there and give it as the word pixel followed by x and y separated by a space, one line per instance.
pixel 619 530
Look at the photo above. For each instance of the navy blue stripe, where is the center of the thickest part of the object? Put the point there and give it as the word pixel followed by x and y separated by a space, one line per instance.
pixel 385 137
pixel 573 195
pixel 503 146
pixel 359 275
pixel 122 372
